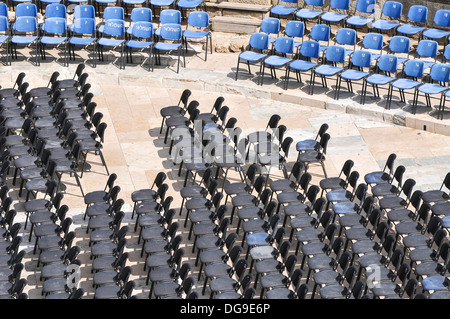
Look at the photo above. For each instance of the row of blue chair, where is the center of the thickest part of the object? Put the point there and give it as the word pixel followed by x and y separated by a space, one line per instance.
pixel 390 16
pixel 388 66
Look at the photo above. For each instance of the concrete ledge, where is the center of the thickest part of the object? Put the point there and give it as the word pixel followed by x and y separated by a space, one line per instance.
pixel 235 24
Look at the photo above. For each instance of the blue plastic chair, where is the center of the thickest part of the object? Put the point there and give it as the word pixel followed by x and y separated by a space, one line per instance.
pixel 5 36
pixel 439 73
pixel 446 55
pixel 427 49
pixel 441 20
pixel 282 48
pixel 115 13
pixel 113 35
pixel 258 47
pixel 418 15
pixel 435 283
pixel 284 8
pixel 373 41
pixel 54 33
pixel 173 33
pixel 3 9
pixel 334 54
pixel 400 44
pixel 295 29
pixel 141 39
pixel 391 9
pixel 413 70
pixel 336 17
pixel 366 7
pixel 198 27
pixel 139 15
pixel 271 26
pixel 309 50
pixel 309 14
pixel 386 71
pixel 168 16
pixel 361 59
pixel 25 31
pixel 84 11
pixel 346 36
pixel 26 10
pixel 321 33
pixel 84 34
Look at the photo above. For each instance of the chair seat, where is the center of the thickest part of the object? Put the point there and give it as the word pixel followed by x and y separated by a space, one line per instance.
pixel 222 284
pixel 429 88
pixel 398 215
pixel 167 46
pixel 51 256
pixel 161 3
pixel 21 39
pixel 320 262
pixel 81 41
pixel 107 292
pixel 434 283
pixel 358 233
pixel 379 79
pixel 103 248
pixel 296 209
pixel 53 270
pixel 217 270
pixel 155 245
pixel 149 220
pixel 440 295
pixel 353 75
pixel 312 156
pixel 385 289
pixel 252 56
pixel 309 235
pixel 345 208
pixel 332 183
pixel 434 196
pixel 333 16
pixel 435 33
pixel 325 277
pixel 282 185
pixel 110 42
pixel 192 191
pixel 364 246
pixel 36 204
pixel 256 239
pixel 308 13
pixel 384 189
pixel 281 10
pixel 139 44
pixel 350 220
pixel 276 61
pixel 392 202
pixel 333 292
pixel 306 145
pixel 358 21
pixel 384 25
pixel 422 254
pixel 212 256
pixel 146 206
pixel 273 280
pixel 409 29
pixel 189 4
pixel 302 222
pixel 415 240
pixel 440 209
pixel 41 216
pixel 301 65
pixel 313 248
pixel 162 274
pixel 280 293
pixel 405 84
pixel 95 197
pixel 253 225
pixel 104 277
pixel 54 285
pixel 327 70
pixel 407 227
pixel 53 40
pixel 195 34
pixel 262 252
pixel 339 195
pixel 152 232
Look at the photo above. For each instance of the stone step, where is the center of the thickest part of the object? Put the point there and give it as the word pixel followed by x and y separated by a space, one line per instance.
pixel 232 24
pixel 243 9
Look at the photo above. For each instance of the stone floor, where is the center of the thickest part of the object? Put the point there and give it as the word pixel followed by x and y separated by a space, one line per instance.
pixel 130 100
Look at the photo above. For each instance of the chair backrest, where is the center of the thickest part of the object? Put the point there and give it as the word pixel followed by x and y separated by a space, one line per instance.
pixel 427 48
pixel 4 24
pixel 346 36
pixel 55 26
pixel 259 40
pixel 295 29
pixel 336 54
pixel 26 24
pixel 414 68
pixel 114 27
pixel 310 49
pixel 340 4
pixel 141 14
pixel 320 32
pixel 170 16
pixel 114 13
pixel 55 10
pixel 366 6
pixel 441 73
pixel 284 45
pixel 373 41
pixel 361 58
pixel 143 30
pixel 392 9
pixel 3 9
pixel 315 3
pixel 418 13
pixel 270 25
pixel 26 10
pixel 171 31
pixel 442 18
pixel 84 11
pixel 400 44
pixel 198 19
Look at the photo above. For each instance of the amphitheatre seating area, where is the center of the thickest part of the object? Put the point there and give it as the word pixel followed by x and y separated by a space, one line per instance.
pixel 253 223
